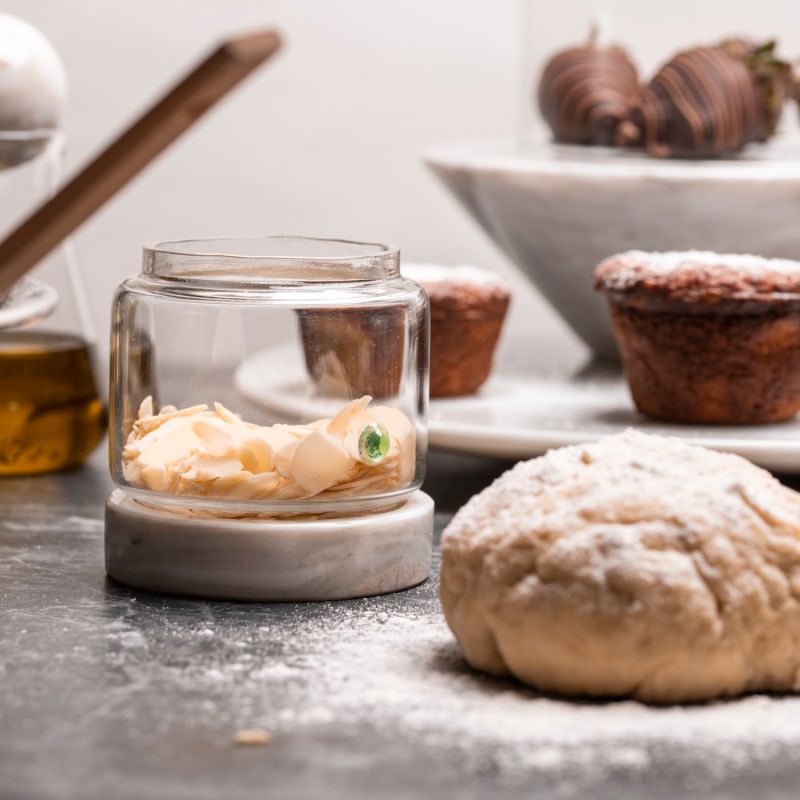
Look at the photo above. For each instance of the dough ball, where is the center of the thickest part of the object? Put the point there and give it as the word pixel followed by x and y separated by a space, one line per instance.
pixel 33 90
pixel 636 566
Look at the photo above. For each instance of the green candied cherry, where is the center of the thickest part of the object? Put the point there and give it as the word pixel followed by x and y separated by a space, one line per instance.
pixel 373 443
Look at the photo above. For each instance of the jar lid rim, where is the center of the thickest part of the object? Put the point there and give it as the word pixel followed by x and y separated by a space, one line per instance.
pixel 241 248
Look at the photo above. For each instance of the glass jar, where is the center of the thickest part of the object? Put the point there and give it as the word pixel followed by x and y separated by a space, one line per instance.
pixel 268 376
pixel 51 412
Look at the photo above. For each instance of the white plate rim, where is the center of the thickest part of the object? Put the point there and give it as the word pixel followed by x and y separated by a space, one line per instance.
pixel 506 444
pixel 288 392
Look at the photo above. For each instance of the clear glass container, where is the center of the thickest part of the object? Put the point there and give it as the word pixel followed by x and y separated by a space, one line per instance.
pixel 302 363
pixel 52 414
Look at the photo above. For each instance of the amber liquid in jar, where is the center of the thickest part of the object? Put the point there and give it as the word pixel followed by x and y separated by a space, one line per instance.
pixel 51 416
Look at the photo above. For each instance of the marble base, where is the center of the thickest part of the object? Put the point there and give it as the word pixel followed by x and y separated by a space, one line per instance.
pixel 268 559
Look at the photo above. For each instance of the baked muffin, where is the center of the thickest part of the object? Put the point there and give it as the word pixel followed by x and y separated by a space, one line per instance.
pixel 705 337
pixel 467 309
pixel 353 352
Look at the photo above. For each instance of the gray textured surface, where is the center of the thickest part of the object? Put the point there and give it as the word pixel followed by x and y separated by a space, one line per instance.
pixel 109 692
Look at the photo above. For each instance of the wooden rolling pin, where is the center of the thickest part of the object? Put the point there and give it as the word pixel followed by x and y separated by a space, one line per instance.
pixel 176 111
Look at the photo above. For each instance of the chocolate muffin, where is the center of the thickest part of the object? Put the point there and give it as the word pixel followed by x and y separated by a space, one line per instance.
pixel 705 337
pixel 468 306
pixel 353 352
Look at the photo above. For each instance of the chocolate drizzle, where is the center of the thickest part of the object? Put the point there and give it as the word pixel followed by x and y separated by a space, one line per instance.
pixel 584 92
pixel 705 102
pixel 702 103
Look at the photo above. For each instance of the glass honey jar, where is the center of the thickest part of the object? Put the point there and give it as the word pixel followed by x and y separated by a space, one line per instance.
pixel 52 415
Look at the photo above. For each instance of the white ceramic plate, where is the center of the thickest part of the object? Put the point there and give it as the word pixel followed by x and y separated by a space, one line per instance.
pixel 27 301
pixel 522 417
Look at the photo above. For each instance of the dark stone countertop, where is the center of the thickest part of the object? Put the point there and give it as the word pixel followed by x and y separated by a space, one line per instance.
pixel 109 692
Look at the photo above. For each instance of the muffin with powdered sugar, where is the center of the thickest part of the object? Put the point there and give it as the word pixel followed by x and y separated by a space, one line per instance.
pixel 468 306
pixel 707 337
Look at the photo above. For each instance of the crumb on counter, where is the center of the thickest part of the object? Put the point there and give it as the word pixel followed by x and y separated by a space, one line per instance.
pixel 252 737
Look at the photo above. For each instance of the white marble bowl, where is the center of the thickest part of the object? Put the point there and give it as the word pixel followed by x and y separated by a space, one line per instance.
pixel 557 211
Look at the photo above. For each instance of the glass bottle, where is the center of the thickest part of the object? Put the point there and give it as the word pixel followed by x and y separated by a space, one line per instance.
pixel 51 412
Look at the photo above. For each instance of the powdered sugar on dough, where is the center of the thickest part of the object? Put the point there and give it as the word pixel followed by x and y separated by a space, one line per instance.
pixel 635 566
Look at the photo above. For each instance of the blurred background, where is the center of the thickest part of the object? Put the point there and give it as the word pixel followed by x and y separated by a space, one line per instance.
pixel 328 138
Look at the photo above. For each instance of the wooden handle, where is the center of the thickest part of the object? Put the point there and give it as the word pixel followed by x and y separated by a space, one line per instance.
pixel 65 211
